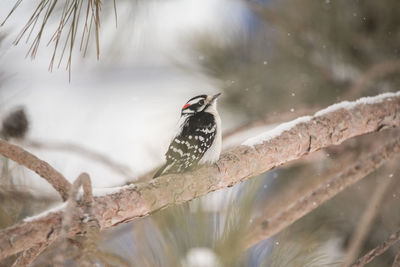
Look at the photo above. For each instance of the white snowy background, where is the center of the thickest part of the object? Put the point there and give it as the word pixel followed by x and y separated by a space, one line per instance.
pixel 127 104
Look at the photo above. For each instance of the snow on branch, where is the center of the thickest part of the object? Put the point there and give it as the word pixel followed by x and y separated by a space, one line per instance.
pixel 342 105
pixel 42 168
pixel 330 127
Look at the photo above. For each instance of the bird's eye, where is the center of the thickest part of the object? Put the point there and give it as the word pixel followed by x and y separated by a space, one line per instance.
pixel 201 102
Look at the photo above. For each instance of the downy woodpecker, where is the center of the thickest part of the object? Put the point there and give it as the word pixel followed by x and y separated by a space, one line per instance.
pixel 198 140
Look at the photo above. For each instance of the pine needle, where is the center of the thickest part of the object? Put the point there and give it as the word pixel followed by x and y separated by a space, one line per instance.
pixel 69 23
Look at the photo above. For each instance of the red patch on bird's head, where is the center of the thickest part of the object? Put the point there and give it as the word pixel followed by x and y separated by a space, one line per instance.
pixel 185 106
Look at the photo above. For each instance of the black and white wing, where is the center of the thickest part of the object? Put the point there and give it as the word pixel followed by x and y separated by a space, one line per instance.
pixel 188 147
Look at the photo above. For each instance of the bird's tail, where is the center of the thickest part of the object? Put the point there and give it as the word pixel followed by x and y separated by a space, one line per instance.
pixel 160 171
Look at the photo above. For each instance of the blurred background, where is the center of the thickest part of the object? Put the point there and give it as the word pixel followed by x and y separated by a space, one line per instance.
pixel 111 102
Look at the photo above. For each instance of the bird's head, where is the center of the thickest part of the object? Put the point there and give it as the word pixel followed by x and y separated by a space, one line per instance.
pixel 201 103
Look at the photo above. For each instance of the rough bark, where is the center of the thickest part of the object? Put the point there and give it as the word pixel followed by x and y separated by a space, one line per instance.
pixel 234 166
pixel 42 168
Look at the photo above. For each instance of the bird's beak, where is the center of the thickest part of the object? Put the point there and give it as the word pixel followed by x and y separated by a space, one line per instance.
pixel 215 97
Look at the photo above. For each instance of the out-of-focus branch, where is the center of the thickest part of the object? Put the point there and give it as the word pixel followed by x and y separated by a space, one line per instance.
pixel 265 227
pixel 366 221
pixel 87 223
pixel 377 71
pixel 329 127
pixel 42 168
pixel 29 255
pixel 106 257
pixel 277 201
pixel 372 254
pixel 85 152
pixel 21 194
pixel 396 262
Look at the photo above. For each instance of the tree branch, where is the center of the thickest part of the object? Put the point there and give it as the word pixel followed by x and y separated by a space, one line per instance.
pixel 29 255
pixel 328 127
pixel 375 72
pixel 87 201
pixel 88 223
pixel 265 227
pixel 42 168
pixel 396 262
pixel 370 256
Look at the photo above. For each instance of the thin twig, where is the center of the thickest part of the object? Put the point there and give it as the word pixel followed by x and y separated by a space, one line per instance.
pixel 119 168
pixel 372 254
pixel 42 168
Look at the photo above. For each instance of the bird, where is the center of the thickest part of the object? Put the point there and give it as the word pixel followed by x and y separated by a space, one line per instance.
pixel 198 139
